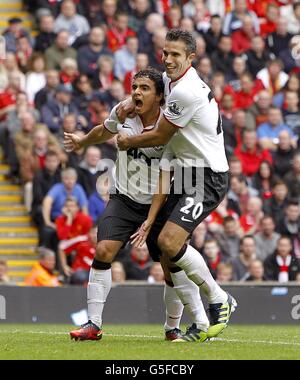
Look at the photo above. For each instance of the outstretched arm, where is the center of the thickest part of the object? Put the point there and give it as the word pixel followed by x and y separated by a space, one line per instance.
pixel 97 135
pixel 161 135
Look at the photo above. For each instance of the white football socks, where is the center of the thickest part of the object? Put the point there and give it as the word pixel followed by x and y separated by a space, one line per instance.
pixel 97 291
pixel 174 308
pixel 196 269
pixel 189 294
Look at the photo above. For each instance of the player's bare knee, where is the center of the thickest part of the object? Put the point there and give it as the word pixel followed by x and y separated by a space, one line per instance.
pixel 104 252
pixel 167 245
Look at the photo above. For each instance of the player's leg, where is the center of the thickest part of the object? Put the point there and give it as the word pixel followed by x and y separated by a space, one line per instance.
pixel 98 288
pixel 181 287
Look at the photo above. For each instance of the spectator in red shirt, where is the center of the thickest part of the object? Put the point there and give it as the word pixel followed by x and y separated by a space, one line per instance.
pixel 251 220
pixel 76 257
pixel 8 97
pixel 242 38
pixel 119 32
pixel 250 154
pixel 212 255
pixel 72 222
pixel 249 88
pixel 272 16
pixel 142 62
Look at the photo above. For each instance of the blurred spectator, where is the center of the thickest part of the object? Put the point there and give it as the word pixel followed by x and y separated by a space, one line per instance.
pixel 250 154
pixel 233 20
pixel 174 16
pixel 138 264
pixel 76 157
pixel 54 110
pixel 8 97
pixel 4 278
pixel 212 255
pixel 238 70
pixel 113 96
pixel 266 240
pixel 118 274
pixel 89 54
pixel 239 194
pixel 257 55
pixel 271 20
pixel 258 113
pixel 291 113
pixel 204 69
pixel 292 178
pixel 119 32
pixel 268 133
pixel 282 266
pixel 215 220
pixel 279 40
pixel 104 75
pixel 156 274
pixel 98 200
pixel 47 93
pixel 42 182
pixel 283 157
pixel 230 238
pixel 222 58
pixel 33 159
pixel 293 85
pixel 46 35
pixel 142 62
pixel 153 22
pixel 68 19
pixel 224 273
pixel 256 272
pixel 59 50
pixel 272 76
pixel 72 223
pixel 242 38
pixel 12 72
pixel 276 205
pixel 250 220
pixel 234 134
pixel 12 33
pixel 213 34
pixel 290 225
pixel 42 273
pixel 264 180
pixel 296 245
pixel 247 255
pixel 35 77
pixel 77 255
pixel 244 98
pixel 69 72
pixel 140 10
pixel 125 58
pixel 54 201
pixel 290 61
pixel 155 51
pixel 292 13
pixel 23 53
pixel 88 170
pixel 106 14
pixel 235 166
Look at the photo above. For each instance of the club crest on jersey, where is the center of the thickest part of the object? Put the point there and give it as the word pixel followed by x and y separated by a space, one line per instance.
pixel 175 109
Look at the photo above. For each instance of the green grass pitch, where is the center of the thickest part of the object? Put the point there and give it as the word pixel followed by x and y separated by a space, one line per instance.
pixel 145 342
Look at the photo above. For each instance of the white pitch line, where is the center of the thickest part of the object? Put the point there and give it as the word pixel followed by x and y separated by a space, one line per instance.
pixel 157 337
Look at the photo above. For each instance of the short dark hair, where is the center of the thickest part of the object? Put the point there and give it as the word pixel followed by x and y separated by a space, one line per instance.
pixel 228 219
pixel 184 36
pixel 51 153
pixel 156 77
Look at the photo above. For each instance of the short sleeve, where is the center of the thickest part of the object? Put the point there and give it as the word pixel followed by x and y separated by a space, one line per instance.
pixel 180 108
pixel 111 124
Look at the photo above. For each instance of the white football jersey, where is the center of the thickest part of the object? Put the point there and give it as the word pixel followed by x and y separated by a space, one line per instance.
pixel 137 170
pixel 192 109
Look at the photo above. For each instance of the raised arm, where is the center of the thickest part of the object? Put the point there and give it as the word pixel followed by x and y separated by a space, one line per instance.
pixel 97 135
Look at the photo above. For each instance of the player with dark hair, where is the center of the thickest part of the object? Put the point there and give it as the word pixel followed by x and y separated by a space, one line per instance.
pixel 192 128
pixel 128 208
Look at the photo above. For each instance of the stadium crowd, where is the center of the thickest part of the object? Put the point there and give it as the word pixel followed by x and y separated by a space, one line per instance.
pixel 80 64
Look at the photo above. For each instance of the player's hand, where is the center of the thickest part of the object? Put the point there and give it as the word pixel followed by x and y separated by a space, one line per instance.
pixel 125 109
pixel 139 238
pixel 122 141
pixel 72 142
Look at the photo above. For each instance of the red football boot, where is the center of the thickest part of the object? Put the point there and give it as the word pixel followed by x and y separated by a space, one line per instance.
pixel 89 331
pixel 173 334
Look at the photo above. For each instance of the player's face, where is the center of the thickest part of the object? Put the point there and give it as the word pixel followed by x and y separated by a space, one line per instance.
pixel 175 59
pixel 144 95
